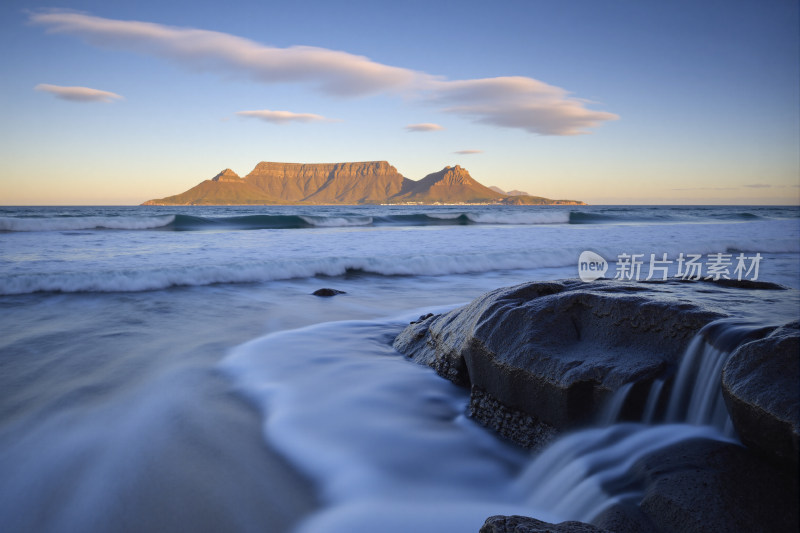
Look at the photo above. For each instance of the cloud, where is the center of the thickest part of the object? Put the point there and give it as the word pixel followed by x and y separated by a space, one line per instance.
pixel 510 102
pixel 334 72
pixel 282 117
pixel 78 94
pixel 758 186
pixel 706 189
pixel 468 152
pixel 424 126
pixel 518 102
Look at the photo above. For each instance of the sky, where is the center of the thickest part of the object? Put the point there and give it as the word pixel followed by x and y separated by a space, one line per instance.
pixel 605 101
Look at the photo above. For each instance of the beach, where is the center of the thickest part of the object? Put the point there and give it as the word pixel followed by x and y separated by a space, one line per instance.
pixel 168 368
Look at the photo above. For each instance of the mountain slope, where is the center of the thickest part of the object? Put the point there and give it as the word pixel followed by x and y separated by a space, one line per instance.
pixel 449 185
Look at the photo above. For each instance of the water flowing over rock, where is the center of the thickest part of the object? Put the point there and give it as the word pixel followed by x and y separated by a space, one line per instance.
pixel 556 351
pixel 541 358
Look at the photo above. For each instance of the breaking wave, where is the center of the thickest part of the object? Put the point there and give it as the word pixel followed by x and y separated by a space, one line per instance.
pixel 500 216
pixel 137 280
pixel 74 223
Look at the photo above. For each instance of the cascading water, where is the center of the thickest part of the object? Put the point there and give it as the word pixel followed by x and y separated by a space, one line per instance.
pixel 586 472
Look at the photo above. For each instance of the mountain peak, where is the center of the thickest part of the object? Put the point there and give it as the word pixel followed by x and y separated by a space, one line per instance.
pixel 226 175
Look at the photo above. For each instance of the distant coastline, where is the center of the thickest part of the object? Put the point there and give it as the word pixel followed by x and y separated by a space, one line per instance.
pixel 362 183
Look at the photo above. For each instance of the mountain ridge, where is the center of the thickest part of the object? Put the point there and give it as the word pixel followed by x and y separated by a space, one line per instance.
pixel 353 183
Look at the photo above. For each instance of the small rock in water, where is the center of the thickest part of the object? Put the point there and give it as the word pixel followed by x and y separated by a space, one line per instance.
pixel 327 292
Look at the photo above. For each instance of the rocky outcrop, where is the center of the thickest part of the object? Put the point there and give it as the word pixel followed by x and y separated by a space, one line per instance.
pixel 761 388
pixel 555 351
pixel 705 485
pixel 371 182
pixel 523 524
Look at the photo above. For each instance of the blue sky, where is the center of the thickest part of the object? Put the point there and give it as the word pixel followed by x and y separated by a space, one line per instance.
pixel 603 101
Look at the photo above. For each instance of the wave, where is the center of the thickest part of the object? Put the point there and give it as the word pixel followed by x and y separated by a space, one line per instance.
pixel 180 222
pixel 148 279
pixel 74 223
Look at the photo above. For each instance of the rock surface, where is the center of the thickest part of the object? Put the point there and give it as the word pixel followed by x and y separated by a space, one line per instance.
pixel 523 524
pixel 761 387
pixel 704 485
pixel 326 292
pixel 370 182
pixel 556 350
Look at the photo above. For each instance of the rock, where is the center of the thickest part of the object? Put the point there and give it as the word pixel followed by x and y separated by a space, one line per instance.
pixel 705 485
pixel 556 350
pixel 761 388
pixel 524 524
pixel 508 422
pixel 326 292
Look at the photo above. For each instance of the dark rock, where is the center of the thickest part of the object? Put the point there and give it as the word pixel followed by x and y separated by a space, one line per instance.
pixel 556 350
pixel 327 292
pixel 749 284
pixel 761 387
pixel 510 423
pixel 523 524
pixel 624 518
pixel 422 318
pixel 704 485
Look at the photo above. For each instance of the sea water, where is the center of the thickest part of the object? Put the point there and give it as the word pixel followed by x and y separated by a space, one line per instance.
pixel 168 368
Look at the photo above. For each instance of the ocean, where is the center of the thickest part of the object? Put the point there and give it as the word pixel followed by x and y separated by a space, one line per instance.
pixel 169 369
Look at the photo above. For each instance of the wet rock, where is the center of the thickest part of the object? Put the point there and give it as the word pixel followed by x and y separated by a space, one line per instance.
pixel 524 524
pixel 327 292
pixel 508 422
pixel 761 388
pixel 704 485
pixel 556 350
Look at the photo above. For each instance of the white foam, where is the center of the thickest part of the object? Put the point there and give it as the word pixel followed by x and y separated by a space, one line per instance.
pixel 521 217
pixel 381 437
pixel 333 222
pixel 83 223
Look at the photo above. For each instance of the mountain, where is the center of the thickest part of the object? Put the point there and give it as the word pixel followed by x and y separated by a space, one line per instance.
pixel 514 192
pixel 449 185
pixel 371 182
pixel 536 200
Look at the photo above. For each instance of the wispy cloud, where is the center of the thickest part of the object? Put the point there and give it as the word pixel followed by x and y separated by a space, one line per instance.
pixel 424 126
pixel 78 94
pixel 706 189
pixel 510 102
pixel 758 186
pixel 519 102
pixel 468 152
pixel 332 71
pixel 282 117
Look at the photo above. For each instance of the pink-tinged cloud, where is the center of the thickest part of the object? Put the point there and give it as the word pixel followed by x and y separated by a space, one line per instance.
pixel 510 102
pixel 518 102
pixel 78 94
pixel 424 126
pixel 468 152
pixel 282 117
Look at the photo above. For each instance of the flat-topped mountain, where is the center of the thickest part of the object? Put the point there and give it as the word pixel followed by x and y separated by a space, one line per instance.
pixel 370 182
